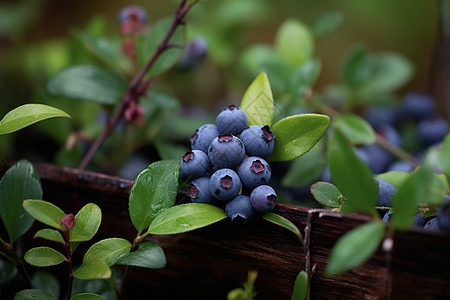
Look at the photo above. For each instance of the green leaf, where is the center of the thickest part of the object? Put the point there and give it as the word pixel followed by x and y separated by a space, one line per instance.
pixel 92 270
pixel 356 129
pixel 405 201
pixel 45 212
pixel 87 222
pixel 327 23
pixel 444 157
pixel 33 294
pixel 149 42
pixel 283 222
pixel 7 271
pixel 20 182
pixel 87 296
pixel 294 42
pixel 351 176
pixel 186 217
pixel 89 83
pixel 256 56
pixel 44 257
pixel 28 114
pixel 296 135
pixel 300 286
pixel 329 196
pixel 305 76
pixel 257 102
pixel 355 247
pixel 46 281
pixel 148 255
pixel 107 251
pixel 390 72
pixel 153 191
pixel 358 68
pixel 306 169
pixel 395 177
pixel 50 234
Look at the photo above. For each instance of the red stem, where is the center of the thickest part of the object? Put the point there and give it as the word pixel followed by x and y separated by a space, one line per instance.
pixel 69 265
pixel 134 90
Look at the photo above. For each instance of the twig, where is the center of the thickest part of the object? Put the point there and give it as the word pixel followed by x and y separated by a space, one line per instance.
pixel 134 89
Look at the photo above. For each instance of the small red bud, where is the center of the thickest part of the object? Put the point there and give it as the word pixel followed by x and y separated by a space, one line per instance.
pixel 68 221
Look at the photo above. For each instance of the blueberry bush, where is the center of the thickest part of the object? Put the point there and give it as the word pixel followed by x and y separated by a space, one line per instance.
pixel 354 147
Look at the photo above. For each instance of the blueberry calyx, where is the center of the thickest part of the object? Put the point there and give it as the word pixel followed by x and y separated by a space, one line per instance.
pixel 188 156
pixel 231 107
pixel 194 137
pixel 192 191
pixel 267 134
pixel 226 182
pixel 272 199
pixel 257 166
pixel 225 138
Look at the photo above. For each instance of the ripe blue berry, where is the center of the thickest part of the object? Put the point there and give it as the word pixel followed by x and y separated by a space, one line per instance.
pixel 254 171
pixel 133 13
pixel 263 198
pixel 387 216
pixel 198 191
pixel 203 136
pixel 194 52
pixel 194 164
pixel 432 225
pixel 224 184
pixel 432 130
pixel 401 166
pixel 231 120
pixel 258 140
pixel 226 151
pixel 239 209
pixel 418 106
pixel 377 116
pixel 443 216
pixel 385 192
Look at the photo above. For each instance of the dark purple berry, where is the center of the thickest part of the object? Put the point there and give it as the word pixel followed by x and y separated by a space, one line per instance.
pixel 226 151
pixel 443 216
pixel 231 120
pixel 203 136
pixel 258 140
pixel 194 164
pixel 198 191
pixel 385 192
pixel 254 171
pixel 401 166
pixel 432 130
pixel 377 116
pixel 224 184
pixel 239 209
pixel 418 106
pixel 194 52
pixel 263 198
pixel 133 13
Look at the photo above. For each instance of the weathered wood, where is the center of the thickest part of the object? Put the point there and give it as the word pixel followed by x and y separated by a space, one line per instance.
pixel 209 262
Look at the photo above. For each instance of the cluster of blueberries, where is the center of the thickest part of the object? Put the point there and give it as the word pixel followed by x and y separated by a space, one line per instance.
pixel 226 166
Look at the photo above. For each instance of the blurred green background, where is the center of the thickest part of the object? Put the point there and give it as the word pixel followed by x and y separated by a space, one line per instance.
pixel 37 40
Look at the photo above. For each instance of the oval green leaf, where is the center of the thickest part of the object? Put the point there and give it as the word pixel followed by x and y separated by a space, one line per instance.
pixel 257 102
pixel 107 251
pixel 148 255
pixel 87 296
pixel 355 247
pixel 154 190
pixel 326 194
pixel 186 217
pixel 33 294
pixel 283 222
pixel 415 189
pixel 28 114
pixel 351 176
pixel 50 234
pixel 44 257
pixel 296 135
pixel 88 82
pixel 93 269
pixel 358 68
pixel 356 129
pixel 327 23
pixel 45 212
pixel 300 286
pixel 294 42
pixel 46 281
pixel 87 222
pixel 20 182
pixel 305 76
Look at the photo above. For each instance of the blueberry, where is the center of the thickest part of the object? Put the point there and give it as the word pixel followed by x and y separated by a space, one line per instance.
pixel 203 136
pixel 376 157
pixel 194 52
pixel 224 184
pixel 231 120
pixel 390 134
pixel 226 151
pixel 258 140
pixel 419 220
pixel 385 192
pixel 432 131
pixel 432 225
pixel 198 191
pixel 400 166
pixel 443 216
pixel 377 116
pixel 418 106
pixel 254 171
pixel 263 198
pixel 239 209
pixel 387 216
pixel 194 164
pixel 133 13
